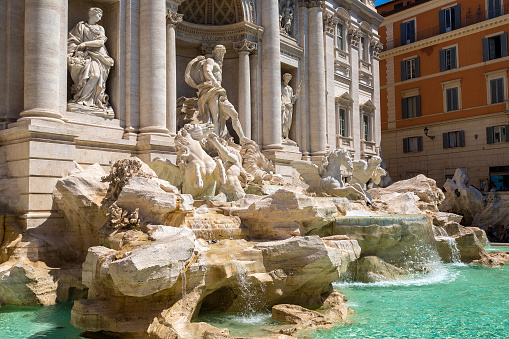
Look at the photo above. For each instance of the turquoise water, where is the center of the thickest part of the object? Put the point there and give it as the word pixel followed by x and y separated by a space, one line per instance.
pixel 454 301
pixel 37 322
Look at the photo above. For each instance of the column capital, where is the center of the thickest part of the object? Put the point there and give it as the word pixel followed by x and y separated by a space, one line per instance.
pixel 173 4
pixel 311 3
pixel 245 46
pixel 173 18
pixel 354 35
pixel 330 22
pixel 376 47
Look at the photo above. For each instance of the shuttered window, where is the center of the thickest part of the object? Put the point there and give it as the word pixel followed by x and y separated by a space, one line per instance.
pixel 494 8
pixel 407 31
pixel 494 47
pixel 411 107
pixel 452 99
pixel 448 59
pixel 449 19
pixel 495 134
pixel 410 69
pixel 454 139
pixel 497 90
pixel 412 144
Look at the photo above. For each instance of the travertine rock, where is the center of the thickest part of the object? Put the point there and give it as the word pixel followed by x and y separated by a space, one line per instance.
pixel 79 197
pixel 285 213
pixel 430 197
pixel 154 203
pixel 299 315
pixel 372 269
pixel 469 246
pixel 9 192
pixel 462 199
pixel 398 240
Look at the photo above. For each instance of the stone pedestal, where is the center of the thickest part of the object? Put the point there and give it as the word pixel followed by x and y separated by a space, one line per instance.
pixel 282 158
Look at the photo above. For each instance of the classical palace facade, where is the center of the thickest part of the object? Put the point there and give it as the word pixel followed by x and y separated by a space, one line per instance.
pixel 331 49
pixel 444 90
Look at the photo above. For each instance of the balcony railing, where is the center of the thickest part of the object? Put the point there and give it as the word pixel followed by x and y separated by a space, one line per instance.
pixel 470 18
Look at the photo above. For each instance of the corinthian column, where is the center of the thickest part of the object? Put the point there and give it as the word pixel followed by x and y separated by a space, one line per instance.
pixel 44 60
pixel 244 48
pixel 173 18
pixel 271 74
pixel 153 67
pixel 317 89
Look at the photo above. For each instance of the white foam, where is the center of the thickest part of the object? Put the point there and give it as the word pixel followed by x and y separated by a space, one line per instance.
pixel 441 274
pixel 360 213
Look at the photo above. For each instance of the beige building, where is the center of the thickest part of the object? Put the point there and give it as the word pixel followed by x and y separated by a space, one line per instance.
pixel 330 48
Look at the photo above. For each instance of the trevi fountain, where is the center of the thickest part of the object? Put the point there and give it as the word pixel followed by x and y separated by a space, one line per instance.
pixel 151 192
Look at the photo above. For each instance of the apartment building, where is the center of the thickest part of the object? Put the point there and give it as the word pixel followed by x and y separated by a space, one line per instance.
pixel 444 89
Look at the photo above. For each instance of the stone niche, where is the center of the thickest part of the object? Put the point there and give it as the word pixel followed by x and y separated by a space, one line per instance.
pixel 294 84
pixel 113 23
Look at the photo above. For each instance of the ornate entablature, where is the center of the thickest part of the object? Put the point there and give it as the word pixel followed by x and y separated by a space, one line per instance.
pixel 217 34
pixel 290 48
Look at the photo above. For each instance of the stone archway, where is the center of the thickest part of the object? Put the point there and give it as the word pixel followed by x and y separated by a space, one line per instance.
pixel 215 12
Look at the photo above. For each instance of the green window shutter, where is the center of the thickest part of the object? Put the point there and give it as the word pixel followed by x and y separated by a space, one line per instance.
pixel 503 44
pixel 404 108
pixel 402 34
pixel 445 140
pixel 462 138
pixel 405 145
pixel 441 55
pixel 441 21
pixel 485 50
pixel 457 17
pixel 490 135
pixel 418 104
pixel 419 143
pixel 453 58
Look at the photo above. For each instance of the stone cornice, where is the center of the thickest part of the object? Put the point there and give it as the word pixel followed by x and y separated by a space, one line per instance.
pixel 245 46
pixel 311 3
pixel 173 4
pixel 217 34
pixel 290 48
pixel 173 18
pixel 452 35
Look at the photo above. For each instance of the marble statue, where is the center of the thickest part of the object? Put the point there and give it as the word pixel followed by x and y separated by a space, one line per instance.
pixel 205 74
pixel 89 65
pixel 232 162
pixel 286 19
pixel 261 170
pixel 195 172
pixel 363 171
pixel 288 99
pixel 327 179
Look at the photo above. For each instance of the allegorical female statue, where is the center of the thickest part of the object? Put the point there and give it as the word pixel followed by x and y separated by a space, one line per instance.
pixel 288 99
pixel 89 65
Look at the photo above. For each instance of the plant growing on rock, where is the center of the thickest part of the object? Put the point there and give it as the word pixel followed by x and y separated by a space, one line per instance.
pixel 121 172
pixel 119 218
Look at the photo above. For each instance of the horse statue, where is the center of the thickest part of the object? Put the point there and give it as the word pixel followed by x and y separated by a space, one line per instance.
pixel 327 179
pixel 195 172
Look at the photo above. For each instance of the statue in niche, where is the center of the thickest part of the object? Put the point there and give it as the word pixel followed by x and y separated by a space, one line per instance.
pixel 205 74
pixel 288 99
pixel 286 19
pixel 89 65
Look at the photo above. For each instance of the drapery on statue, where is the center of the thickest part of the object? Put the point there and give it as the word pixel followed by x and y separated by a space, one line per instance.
pixel 205 74
pixel 89 65
pixel 287 102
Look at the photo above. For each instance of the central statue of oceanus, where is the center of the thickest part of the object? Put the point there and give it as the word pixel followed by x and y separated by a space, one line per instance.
pixel 206 74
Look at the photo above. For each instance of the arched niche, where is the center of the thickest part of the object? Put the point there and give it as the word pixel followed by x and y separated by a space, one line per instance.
pixel 217 12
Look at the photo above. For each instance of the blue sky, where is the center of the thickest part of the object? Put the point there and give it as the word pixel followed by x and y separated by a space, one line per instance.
pixel 379 2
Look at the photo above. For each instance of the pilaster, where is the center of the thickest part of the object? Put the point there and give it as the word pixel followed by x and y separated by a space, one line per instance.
pixel 329 24
pixel 354 36
pixel 173 18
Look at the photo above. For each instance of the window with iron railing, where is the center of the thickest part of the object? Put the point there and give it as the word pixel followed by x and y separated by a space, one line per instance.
pixel 472 16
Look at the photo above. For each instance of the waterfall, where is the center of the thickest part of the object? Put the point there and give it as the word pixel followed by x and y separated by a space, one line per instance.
pixel 441 234
pixel 247 292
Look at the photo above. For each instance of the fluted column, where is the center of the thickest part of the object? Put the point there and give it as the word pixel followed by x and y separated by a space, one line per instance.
pixel 153 67
pixel 173 18
pixel 330 23
pixel 43 59
pixel 244 48
pixel 317 89
pixel 303 102
pixel 271 74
